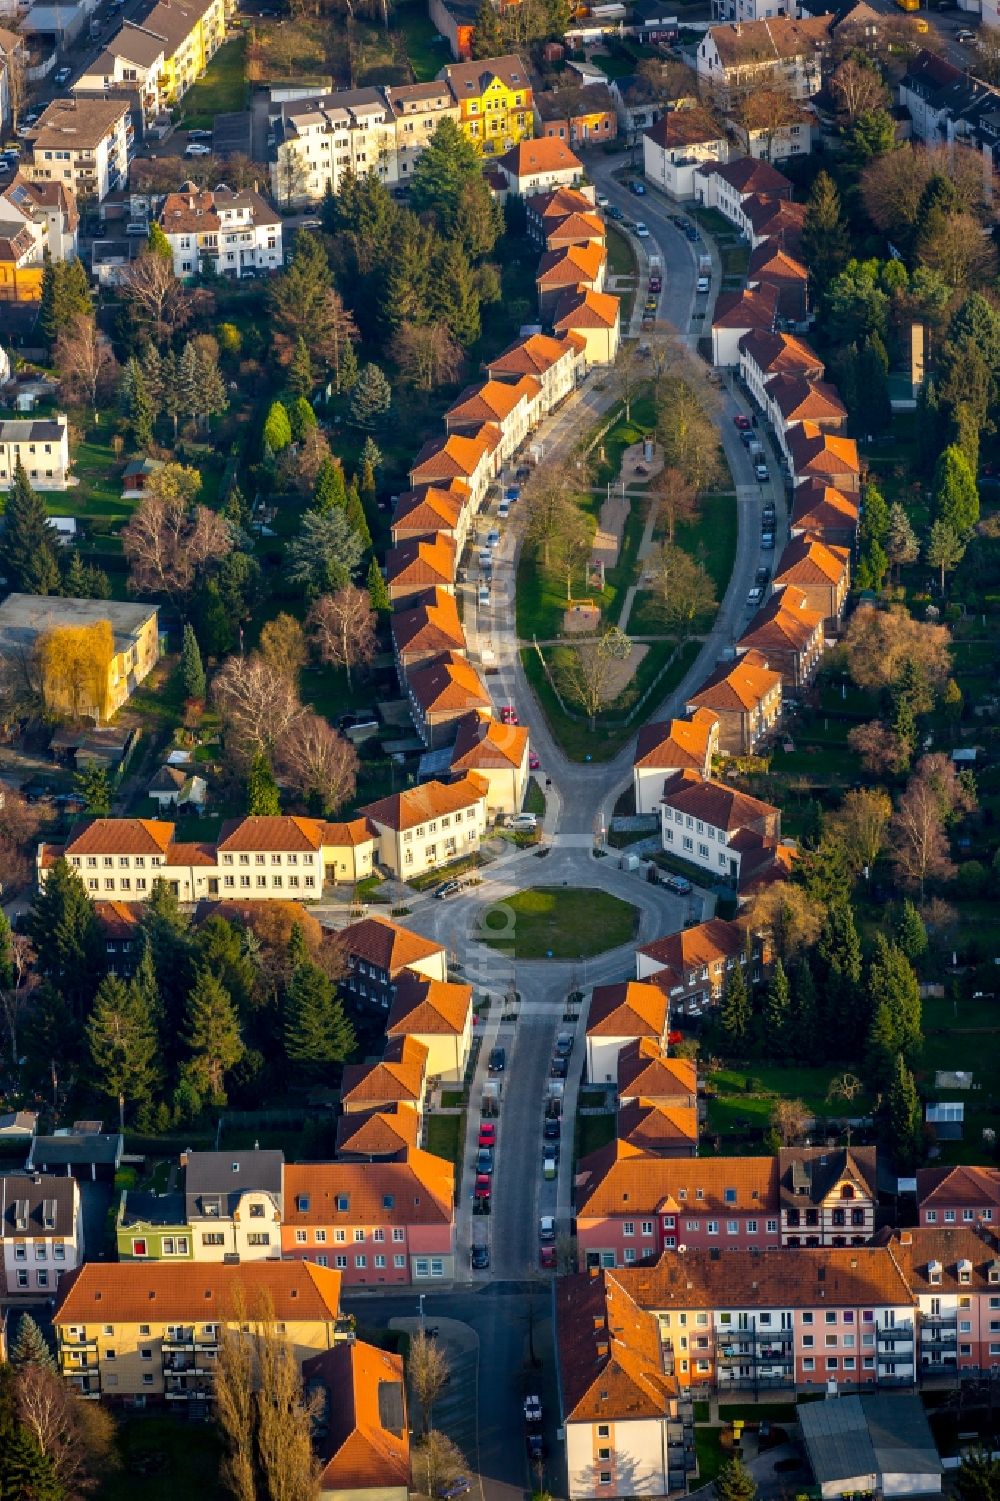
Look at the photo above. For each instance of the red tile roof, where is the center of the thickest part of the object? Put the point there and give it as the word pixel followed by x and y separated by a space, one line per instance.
pixel 432 625
pixel 817 507
pixel 629 1008
pixel 121 836
pixel 570 267
pixel 798 399
pixel 132 1292
pixel 486 744
pixel 806 560
pixel 685 127
pixel 534 355
pixel 781 353
pixel 609 1353
pixel 377 1133
pixel 386 945
pixel 816 452
pixel 653 1126
pixel 747 308
pixel 540 154
pixel 694 948
pixel 448 684
pixel 785 623
pixel 743 686
pixel 676 743
pixel 425 1007
pixel 408 809
pixel 285 832
pixel 716 803
pixel 794 1277
pixel 957 1187
pixel 630 1183
pixel 586 309
pixel 423 561
pixel 363 1442
pixel 645 1071
pixel 420 1190
pixel 398 1076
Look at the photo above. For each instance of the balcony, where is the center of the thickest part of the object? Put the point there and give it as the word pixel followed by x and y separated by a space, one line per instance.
pixel 934 1320
pixel 900 1334
pixel 939 1336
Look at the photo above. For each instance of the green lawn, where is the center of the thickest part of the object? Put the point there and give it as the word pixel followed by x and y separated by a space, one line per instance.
pixel 167 1457
pixel 744 1097
pixel 711 1456
pixel 621 256
pixel 223 90
pixel 592 1132
pixel 559 922
pixel 446 1138
pixel 426 49
pixel 534 799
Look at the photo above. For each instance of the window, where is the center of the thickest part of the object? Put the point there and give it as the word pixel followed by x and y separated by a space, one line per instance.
pixel 398 1235
pixel 628 1227
pixel 399 1262
pixel 341 1262
pixel 361 1261
pixel 139 1248
pixel 320 1237
pixel 359 1236
pixel 300 1237
pixel 647 1227
pixel 258 1238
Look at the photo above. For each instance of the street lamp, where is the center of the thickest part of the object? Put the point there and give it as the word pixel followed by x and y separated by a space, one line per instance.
pixel 422 1296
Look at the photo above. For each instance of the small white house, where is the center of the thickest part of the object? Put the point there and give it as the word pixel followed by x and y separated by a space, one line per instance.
pixel 173 787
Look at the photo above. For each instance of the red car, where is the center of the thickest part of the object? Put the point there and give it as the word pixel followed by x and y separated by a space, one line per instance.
pixel 487 1134
pixel 534 760
pixel 743 423
pixel 547 1258
pixel 483 1188
pixel 508 715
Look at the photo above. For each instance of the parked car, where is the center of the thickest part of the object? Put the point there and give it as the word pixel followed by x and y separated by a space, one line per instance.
pixel 484 1161
pixel 678 884
pixel 460 1487
pixel 503 510
pixel 447 889
pixel 767 541
pixel 558 1068
pixel 641 230
pixel 523 823
pixel 508 714
pixel 487 1134
pixel 197 148
pixel 483 1190
pixel 656 282
pixel 760 472
pixel 742 422
pixel 534 761
pixel 965 36
pixel 755 595
pixel 637 187
pixel 553 1108
pixel 498 1060
pixel 564 1044
pixel 614 212
pixel 492 537
pixel 547 1258
pixel 762 577
pixel 551 1128
pixel 480 1258
pixel 547 1229
pixel 703 284
pixel 484 595
pixel 62 77
pixel 199 135
pixel 602 200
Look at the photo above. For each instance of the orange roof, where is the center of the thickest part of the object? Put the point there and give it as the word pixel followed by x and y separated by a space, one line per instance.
pixel 716 803
pixel 749 175
pixel 557 203
pixel 406 810
pixel 916 1250
pixel 421 560
pixel 821 453
pixel 693 948
pixel 781 353
pixel 121 836
pixel 132 1292
pixel 191 854
pixel 816 507
pixel 676 743
pixel 343 835
pixel 284 832
pixel 630 1008
pixel 747 308
pixel 455 455
pixel 587 309
pixel 770 259
pixel 117 918
pixel 628 1180
pixel 448 684
pixel 645 1070
pixel 793 1277
pixel 399 1075
pixel 428 509
pixel 377 1133
pixel 487 401
pixel 486 744
pixel 610 1362
pixel 385 944
pixel 685 127
pixel 431 625
pixel 574 228
pixel 806 560
pixel 653 1126
pixel 742 686
pixel 421 1189
pixel 423 1007
pixel 534 354
pixel 540 154
pixel 784 623
pixel 363 1442
pixel 798 398
pixel 962 1187
pixel 570 266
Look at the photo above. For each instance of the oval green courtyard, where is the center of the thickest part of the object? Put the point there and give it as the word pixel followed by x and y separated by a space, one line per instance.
pixel 559 922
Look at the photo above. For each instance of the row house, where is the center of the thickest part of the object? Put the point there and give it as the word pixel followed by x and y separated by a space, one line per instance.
pixel 430 509
pixel 950 1196
pixel 132 65
pixel 768 219
pixel 763 355
pixel 255 859
pixel 592 317
pixel 84 144
pixel 558 363
pixel 443 691
pixel 572 269
pixel 717 828
pixel 745 698
pixel 954 1276
pixel 828 1197
pixel 772 262
pixel 229 1209
pixel 428 630
pixel 548 213
pixel 736 60
pixel 792 400
pixel 375 1223
pixel 134 1333
pixel 437 1014
pixel 418 108
pixel 428 826
pixel 727 186
pixel 820 572
pixel 495 101
pixel 469 457
pixel 222 231
pixel 154 1227
pixel 377 1135
pixel 659 1128
pixel 665 748
pixel 361 1433
pixel 514 409
pixel 692 966
pixel 789 635
pixel 827 457
pixel 39 222
pixel 379 954
pixel 40 1232
pixel 418 564
pixel 738 314
pixel 398 1081
pixel 532 166
pixel 646 1073
pixel 498 755
pixel 619 1014
pixel 822 511
pixel 680 142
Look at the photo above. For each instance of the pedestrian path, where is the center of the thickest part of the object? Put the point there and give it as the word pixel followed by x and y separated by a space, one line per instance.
pixel 645 548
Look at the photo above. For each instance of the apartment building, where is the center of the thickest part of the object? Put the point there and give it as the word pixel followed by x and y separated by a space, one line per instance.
pixel 514 408
pixel 825 513
pixel 427 826
pixel 822 572
pixel 429 630
pixel 38 222
pixel 664 749
pixel 725 832
pixel 377 1223
pixel 782 53
pixel 418 109
pixel 593 317
pixel 619 1014
pixel 763 355
pixel 397 1082
pixel 379 953
pixel 131 65
pixel 84 144
pixel 25 618
pixel 361 1432
pixel 558 363
pixel 132 1332
pixel 953 1196
pixel 692 965
pixel 954 1276
pixel 421 513
pixel 470 457
pixel 443 691
pixel 40 1232
pixel 792 399
pixel 437 1014
pixel 495 101
pixel 222 231
pixel 789 635
pixel 828 1196
pixel 678 144
pixel 827 457
pixel 533 166
pixel 418 564
pixel 745 698
pixel 739 313
pixel 321 140
pixel 498 754
pixel 573 268
pixel 192 31
pixel 646 1074
pixel 729 186
pixel 41 445
pixel 233 1203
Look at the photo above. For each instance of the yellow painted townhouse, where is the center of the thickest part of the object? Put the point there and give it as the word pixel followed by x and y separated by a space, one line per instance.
pixel 133 1330
pixel 192 31
pixel 496 105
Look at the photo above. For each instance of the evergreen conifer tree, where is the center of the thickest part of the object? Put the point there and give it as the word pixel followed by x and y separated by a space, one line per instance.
pixel 378 589
pixel 30 1347
pixel 778 1013
pixel 371 396
pixel 67 937
pixel 192 668
pixel 28 555
pixel 902 1119
pixel 122 1043
pixel 213 1037
pixel 735 1014
pixel 300 371
pixel 330 489
pixel 317 1033
pixel 356 515
pixel 263 799
pixel 348 372
pixel 911 934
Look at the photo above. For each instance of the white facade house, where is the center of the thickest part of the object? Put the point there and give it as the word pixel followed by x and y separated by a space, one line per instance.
pixel 41 444
pixel 677 145
pixel 45 212
pixel 318 141
pixel 132 62
pixel 430 825
pixel 558 363
pixel 84 144
pixel 233 1203
pixel 40 1232
pixel 233 232
pixel 715 827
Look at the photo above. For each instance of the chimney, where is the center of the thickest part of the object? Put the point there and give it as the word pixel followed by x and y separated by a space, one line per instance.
pixel 905 1238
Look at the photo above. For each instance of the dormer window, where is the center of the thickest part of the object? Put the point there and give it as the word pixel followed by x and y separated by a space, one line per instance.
pixel 934 1273
pixel 965 1271
pixel 302 1203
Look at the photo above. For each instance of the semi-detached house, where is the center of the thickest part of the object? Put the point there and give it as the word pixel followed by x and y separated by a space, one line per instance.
pixel 467 456
pixel 430 825
pixel 821 571
pixel 679 143
pixel 429 509
pixel 669 747
pixel 498 754
pixel 619 1014
pixel 558 363
pixel 725 832
pixel 443 691
pixel 438 1014
pixel 425 632
pixel 692 965
pixel 789 635
pixel 378 953
pixel 745 697
pixel 825 513
pixel 763 355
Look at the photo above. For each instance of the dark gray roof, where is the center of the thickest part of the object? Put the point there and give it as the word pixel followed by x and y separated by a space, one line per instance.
pixel 807 1174
pixel 31 430
pixel 36 1204
pixel 152 1209
pixel 875 1436
pixel 48 1151
pixel 215 1181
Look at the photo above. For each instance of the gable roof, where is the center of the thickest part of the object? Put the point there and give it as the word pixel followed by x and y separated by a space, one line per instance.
pixel 559 203
pixel 121 836
pixel 798 399
pixel 630 1008
pixel 817 507
pixel 489 400
pixel 777 354
pixel 432 624
pixel 807 560
pixel 487 744
pixel 38 1204
pixel 398 1075
pixel 685 127
pixel 609 1353
pixel 586 308
pixel 958 1187
pixel 792 1277
pixel 571 265
pixel 916 1249
pixel 654 1126
pixel 449 683
pixel 377 1133
pixel 385 944
pixel 821 453
pixel 773 40
pixel 363 1441
pixel 284 832
pixel 676 743
pixel 469 80
pixel 418 1190
pixel 694 948
pixel 415 805
pixel 540 154
pixel 716 803
pixel 429 508
pixel 747 174
pixel 421 560
pixel 631 1182
pixel 456 455
pixel 535 354
pixel 740 686
pixel 644 1070
pixel 770 260
pixel 423 1006
pixel 132 1292
pixel 570 228
pixel 784 623
pixel 748 308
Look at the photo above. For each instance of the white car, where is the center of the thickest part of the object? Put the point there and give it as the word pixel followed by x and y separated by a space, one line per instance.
pixel 641 230
pixel 195 148
pixel 965 36
pixel 603 200
pixel 484 594
pixel 62 77
pixel 703 284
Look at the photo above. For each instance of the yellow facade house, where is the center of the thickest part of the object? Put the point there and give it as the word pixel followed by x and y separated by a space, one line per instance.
pixel 89 654
pixel 192 32
pixel 132 1329
pixel 495 101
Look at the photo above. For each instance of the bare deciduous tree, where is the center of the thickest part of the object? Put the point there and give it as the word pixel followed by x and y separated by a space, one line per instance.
pixel 792 917
pixel 77 1437
pixel 259 706
pixel 674 498
pixel 934 796
pixel 879 747
pixel 685 426
pixel 789 1121
pixel 858 88
pixel 893 184
pixel 317 763
pixel 15 996
pixel 436 1464
pixel 342 627
pixel 155 294
pixel 85 360
pixel 170 541
pixel 549 506
pixel 587 673
pixel 879 642
pixel 426 1374
pixel 862 823
pixel 681 586
pixel 427 355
